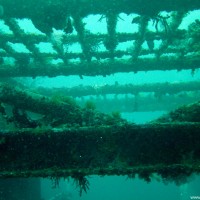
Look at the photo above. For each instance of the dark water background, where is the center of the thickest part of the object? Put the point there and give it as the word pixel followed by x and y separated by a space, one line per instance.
pixel 118 188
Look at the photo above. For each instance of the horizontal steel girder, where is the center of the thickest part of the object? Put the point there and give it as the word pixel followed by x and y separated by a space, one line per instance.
pixel 167 149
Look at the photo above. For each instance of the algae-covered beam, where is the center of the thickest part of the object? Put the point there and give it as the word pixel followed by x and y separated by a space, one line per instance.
pixel 158 88
pixel 105 67
pixel 70 39
pixel 170 29
pixel 130 103
pixel 186 113
pixel 119 150
pixel 29 41
pixel 24 60
pixel 52 14
pixel 60 8
pixel 83 35
pixel 67 112
pixel 56 111
pixel 70 55
pixel 143 23
pixel 140 103
pixel 111 41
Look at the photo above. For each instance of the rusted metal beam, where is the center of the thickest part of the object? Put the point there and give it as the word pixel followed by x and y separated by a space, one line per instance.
pixel 101 68
pixel 48 14
pixel 158 88
pixel 70 39
pixel 143 23
pixel 130 98
pixel 111 40
pixel 84 37
pixel 22 8
pixel 65 111
pixel 139 103
pixel 56 111
pixel 171 150
pixel 176 20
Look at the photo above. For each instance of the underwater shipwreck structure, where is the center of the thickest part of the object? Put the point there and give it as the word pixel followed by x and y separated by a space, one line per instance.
pixel 73 140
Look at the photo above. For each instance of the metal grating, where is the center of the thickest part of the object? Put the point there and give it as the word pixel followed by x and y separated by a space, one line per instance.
pixel 23 54
pixel 177 49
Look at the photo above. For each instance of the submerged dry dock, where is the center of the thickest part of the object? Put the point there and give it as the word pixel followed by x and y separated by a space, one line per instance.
pixel 73 141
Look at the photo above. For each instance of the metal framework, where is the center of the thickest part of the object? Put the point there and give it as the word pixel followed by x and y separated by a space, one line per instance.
pixel 174 52
pixel 68 148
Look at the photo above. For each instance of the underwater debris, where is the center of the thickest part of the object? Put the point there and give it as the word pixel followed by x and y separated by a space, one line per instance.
pixel 156 20
pixel 176 19
pixel 159 19
pixel 21 119
pixel 69 28
pixel 81 182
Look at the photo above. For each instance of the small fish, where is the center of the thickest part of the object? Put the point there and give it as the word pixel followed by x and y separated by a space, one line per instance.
pixel 136 20
pixel 69 28
pixel 150 44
